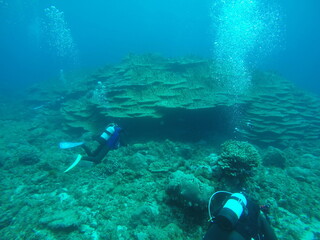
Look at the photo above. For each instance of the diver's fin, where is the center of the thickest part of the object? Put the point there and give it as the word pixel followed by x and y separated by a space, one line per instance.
pixel 65 145
pixel 74 163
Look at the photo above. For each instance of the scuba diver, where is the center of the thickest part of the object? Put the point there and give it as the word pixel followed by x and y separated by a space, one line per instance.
pixel 108 140
pixel 234 216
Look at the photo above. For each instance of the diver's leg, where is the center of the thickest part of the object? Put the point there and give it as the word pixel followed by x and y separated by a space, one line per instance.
pixel 98 150
pixel 99 156
pixel 101 142
pixel 87 150
pixel 103 152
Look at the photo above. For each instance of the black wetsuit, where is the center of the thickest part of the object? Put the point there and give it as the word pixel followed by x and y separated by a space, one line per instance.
pixel 252 225
pixel 104 147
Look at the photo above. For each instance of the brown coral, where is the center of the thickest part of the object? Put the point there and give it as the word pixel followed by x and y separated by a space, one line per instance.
pixel 238 159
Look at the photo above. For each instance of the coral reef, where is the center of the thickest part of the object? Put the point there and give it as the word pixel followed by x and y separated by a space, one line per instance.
pixel 156 186
pixel 238 159
pixel 155 90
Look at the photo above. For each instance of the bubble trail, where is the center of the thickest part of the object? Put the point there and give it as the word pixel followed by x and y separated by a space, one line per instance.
pixel 245 30
pixel 58 34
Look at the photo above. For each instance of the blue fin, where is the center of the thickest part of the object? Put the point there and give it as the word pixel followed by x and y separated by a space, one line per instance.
pixel 65 145
pixel 74 163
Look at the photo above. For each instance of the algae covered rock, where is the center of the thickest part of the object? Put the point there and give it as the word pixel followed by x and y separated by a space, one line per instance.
pixel 29 159
pixel 306 169
pixel 28 155
pixel 66 221
pixel 188 191
pixel 144 215
pixel 304 174
pixel 274 157
pixel 238 159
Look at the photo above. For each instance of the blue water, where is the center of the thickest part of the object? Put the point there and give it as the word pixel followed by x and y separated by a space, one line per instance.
pixel 103 32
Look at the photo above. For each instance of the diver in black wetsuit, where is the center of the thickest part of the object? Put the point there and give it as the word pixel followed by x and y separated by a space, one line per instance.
pixel 238 218
pixel 108 140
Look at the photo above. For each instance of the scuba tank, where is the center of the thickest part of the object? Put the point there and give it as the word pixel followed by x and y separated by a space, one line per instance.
pixel 227 208
pixel 108 131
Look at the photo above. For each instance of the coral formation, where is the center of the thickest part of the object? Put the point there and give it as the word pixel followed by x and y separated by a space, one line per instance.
pixel 238 159
pixel 156 90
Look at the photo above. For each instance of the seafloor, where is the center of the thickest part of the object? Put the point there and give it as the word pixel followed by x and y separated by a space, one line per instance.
pixel 185 136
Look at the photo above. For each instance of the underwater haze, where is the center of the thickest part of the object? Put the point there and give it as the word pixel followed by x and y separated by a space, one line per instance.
pixel 102 32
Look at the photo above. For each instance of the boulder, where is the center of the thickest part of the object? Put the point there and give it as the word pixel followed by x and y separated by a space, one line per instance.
pixel 274 157
pixel 188 191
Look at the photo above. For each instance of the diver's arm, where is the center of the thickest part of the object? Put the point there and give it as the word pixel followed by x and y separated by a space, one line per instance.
pixel 266 229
